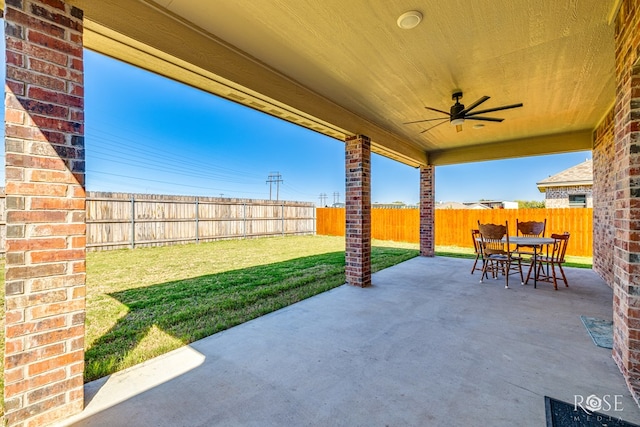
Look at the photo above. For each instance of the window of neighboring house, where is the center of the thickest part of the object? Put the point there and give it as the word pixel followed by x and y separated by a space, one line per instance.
pixel 577 200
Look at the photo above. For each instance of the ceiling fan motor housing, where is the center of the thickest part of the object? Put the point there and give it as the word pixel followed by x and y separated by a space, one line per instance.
pixel 456 109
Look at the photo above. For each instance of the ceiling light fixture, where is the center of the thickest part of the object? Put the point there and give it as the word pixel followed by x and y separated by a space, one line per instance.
pixel 457 121
pixel 409 20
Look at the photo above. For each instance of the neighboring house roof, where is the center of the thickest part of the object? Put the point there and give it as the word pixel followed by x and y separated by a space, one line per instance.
pixel 478 206
pixel 581 174
pixel 451 205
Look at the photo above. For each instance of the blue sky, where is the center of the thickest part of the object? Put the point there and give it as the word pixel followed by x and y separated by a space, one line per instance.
pixel 148 134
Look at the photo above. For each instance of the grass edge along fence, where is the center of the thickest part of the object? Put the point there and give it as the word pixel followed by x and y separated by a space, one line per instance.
pixel 453 226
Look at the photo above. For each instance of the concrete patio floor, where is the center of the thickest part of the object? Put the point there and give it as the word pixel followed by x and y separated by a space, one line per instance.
pixel 426 345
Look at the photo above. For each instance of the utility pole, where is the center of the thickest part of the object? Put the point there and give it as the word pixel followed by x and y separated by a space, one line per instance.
pixel 277 178
pixel 336 197
pixel 323 199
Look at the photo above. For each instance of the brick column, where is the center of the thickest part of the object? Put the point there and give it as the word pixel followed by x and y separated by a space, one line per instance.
pixel 358 211
pixel 45 195
pixel 427 210
pixel 626 257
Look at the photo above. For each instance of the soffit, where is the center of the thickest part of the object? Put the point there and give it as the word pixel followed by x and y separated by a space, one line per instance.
pixel 348 67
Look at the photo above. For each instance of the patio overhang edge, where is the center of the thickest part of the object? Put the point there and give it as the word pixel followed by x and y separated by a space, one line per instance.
pixel 534 146
pixel 212 66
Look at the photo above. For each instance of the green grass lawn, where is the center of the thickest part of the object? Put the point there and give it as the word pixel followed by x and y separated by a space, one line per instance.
pixel 146 302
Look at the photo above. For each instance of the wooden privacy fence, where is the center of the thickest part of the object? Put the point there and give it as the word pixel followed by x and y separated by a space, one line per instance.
pixel 453 226
pixel 116 220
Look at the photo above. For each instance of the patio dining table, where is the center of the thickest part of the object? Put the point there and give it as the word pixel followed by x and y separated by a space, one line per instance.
pixel 536 243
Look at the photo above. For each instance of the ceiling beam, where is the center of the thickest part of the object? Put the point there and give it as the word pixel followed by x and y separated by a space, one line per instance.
pixel 153 39
pixel 535 146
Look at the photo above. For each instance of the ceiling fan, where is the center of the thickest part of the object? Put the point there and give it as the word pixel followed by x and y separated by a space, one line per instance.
pixel 458 113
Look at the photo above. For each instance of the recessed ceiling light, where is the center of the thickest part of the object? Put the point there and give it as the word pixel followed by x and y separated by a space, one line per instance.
pixel 409 20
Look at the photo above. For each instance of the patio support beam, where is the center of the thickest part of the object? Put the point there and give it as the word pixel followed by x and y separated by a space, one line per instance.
pixel 427 210
pixel 45 225
pixel 358 211
pixel 626 257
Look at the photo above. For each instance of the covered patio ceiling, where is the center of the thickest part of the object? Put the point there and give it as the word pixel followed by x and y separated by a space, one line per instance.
pixel 345 67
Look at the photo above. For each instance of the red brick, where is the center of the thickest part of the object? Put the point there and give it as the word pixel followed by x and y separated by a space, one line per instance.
pixel 57 203
pixel 79 267
pixel 54 363
pixel 53 389
pixel 21 75
pixel 38 326
pixel 57 255
pixel 63 411
pixel 56 97
pixel 52 176
pixel 38 408
pixel 23 132
pixel 68 280
pixel 44 122
pixel 13 375
pixel 33 355
pixel 36 216
pixel 35 244
pixel 37 271
pixel 14 116
pixel 79 242
pixel 55 44
pixel 13 345
pixel 13 316
pixel 57 308
pixel 42 230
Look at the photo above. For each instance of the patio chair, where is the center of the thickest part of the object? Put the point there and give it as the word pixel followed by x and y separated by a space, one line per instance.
pixel 496 253
pixel 475 237
pixel 529 229
pixel 554 258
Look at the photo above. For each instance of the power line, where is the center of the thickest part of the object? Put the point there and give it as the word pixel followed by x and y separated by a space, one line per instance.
pixel 323 199
pixel 277 178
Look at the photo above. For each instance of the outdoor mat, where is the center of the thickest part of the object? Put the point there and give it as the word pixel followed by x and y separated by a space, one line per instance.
pixel 601 331
pixel 563 414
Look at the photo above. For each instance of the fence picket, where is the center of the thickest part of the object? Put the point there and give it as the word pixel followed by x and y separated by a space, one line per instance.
pixel 453 226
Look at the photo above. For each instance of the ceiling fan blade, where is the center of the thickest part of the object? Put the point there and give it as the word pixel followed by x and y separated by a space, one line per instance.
pixel 438 111
pixel 458 128
pixel 504 107
pixel 420 121
pixel 443 121
pixel 486 119
pixel 474 105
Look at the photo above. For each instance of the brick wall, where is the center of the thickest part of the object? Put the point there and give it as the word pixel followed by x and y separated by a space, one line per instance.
pixel 427 211
pixel 45 197
pixel 603 198
pixel 558 197
pixel 358 211
pixel 626 165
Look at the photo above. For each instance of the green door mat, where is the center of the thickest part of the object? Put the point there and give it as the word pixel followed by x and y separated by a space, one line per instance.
pixel 601 331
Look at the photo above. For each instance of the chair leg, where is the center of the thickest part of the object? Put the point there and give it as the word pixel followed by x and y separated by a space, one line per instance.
pixel 566 284
pixel 506 276
pixel 529 272
pixel 553 272
pixel 474 265
pixel 520 268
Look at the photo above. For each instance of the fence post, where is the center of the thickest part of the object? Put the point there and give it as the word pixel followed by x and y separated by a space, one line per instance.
pixel 313 225
pixel 283 218
pixel 197 220
pixel 244 220
pixel 133 222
